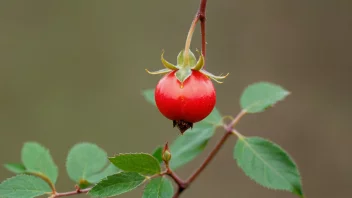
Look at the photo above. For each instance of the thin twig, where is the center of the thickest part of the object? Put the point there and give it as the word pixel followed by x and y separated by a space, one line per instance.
pixel 236 120
pixel 169 172
pixel 80 191
pixel 228 131
pixel 209 158
pixel 201 16
pixel 180 183
pixel 76 192
pixel 178 192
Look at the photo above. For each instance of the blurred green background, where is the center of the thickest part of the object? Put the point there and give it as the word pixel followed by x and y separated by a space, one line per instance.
pixel 73 71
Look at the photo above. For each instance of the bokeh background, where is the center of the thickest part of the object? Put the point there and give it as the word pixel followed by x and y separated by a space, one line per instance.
pixel 73 71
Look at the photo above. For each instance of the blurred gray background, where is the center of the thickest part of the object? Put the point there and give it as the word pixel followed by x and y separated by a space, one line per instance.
pixel 73 71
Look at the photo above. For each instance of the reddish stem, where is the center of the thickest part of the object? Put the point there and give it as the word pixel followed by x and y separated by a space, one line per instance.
pixel 201 16
pixel 76 192
pixel 169 172
pixel 228 128
pixel 180 183
pixel 209 158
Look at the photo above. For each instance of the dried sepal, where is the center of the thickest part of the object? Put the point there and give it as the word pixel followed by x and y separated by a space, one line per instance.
pixel 182 125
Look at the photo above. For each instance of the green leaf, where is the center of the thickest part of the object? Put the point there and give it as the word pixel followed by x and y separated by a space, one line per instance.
pixel 189 145
pixel 23 186
pixel 214 119
pixel 85 160
pixel 160 187
pixel 268 164
pixel 117 184
pixel 149 96
pixel 259 96
pixel 15 167
pixel 158 152
pixel 37 159
pixel 142 163
pixel 110 170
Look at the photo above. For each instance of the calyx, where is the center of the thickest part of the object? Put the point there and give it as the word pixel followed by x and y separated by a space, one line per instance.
pixel 185 64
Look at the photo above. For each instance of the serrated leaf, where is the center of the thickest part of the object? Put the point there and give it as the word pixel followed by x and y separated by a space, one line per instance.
pixel 85 160
pixel 110 170
pixel 15 167
pixel 37 159
pixel 268 164
pixel 149 96
pixel 142 163
pixel 189 145
pixel 259 96
pixel 158 152
pixel 117 184
pixel 23 186
pixel 160 187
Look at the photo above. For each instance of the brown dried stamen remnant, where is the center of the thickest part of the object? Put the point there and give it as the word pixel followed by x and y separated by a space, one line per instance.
pixel 182 125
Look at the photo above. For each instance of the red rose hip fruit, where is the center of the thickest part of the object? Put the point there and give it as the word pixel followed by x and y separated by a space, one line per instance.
pixel 185 103
pixel 185 94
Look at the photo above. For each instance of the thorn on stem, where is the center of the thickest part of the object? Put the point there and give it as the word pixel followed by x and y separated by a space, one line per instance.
pixel 78 189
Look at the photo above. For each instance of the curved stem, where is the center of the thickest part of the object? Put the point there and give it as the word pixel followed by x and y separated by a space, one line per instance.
pixel 173 175
pixel 189 39
pixel 180 183
pixel 200 16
